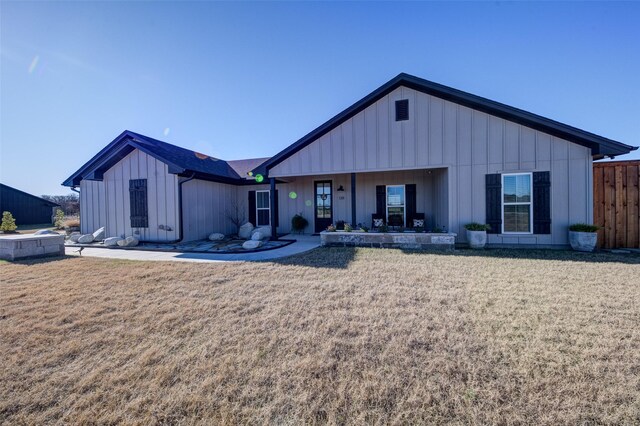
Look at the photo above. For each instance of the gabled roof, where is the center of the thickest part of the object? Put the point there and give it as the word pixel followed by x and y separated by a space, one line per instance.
pixel 600 146
pixel 180 161
pixel 8 188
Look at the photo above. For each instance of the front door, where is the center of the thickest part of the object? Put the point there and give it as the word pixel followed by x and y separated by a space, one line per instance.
pixel 323 205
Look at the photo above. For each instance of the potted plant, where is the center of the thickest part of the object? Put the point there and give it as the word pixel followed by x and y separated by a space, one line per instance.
pixel 331 228
pixel 477 234
pixel 583 237
pixel 298 223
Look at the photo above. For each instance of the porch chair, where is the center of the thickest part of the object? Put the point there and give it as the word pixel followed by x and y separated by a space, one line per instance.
pixel 411 220
pixel 377 220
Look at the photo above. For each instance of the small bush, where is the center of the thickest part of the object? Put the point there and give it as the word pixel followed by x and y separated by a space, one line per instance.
pixel 583 227
pixel 59 220
pixel 331 228
pixel 348 227
pixel 474 226
pixel 340 225
pixel 383 228
pixel 8 222
pixel 298 223
pixel 364 228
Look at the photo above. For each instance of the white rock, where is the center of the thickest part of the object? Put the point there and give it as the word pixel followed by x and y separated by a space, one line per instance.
pixel 245 231
pixel 45 232
pixel 85 239
pixel 74 237
pixel 261 233
pixel 112 241
pixel 99 234
pixel 216 236
pixel 252 244
pixel 128 242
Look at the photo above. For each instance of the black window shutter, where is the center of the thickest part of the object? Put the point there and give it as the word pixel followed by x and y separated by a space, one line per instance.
pixel 381 191
pixel 139 215
pixel 410 190
pixel 252 207
pixel 541 203
pixel 493 185
pixel 275 209
pixel 402 110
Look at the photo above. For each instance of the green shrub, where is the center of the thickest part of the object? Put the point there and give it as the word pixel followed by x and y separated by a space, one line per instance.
pixel 583 227
pixel 474 226
pixel 298 223
pixel 348 227
pixel 59 221
pixel 383 228
pixel 8 222
pixel 364 228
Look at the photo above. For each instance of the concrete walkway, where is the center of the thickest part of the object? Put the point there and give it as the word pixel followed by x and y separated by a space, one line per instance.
pixel 303 243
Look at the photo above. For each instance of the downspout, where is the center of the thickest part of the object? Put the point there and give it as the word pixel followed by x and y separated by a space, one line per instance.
pixel 73 188
pixel 180 224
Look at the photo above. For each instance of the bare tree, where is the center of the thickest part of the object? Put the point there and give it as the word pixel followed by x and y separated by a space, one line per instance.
pixel 69 203
pixel 236 214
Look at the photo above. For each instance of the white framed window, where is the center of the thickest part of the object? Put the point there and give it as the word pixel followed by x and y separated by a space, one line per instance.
pixel 263 208
pixel 517 203
pixel 396 205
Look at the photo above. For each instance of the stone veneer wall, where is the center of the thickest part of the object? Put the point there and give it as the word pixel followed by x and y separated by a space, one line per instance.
pixel 413 241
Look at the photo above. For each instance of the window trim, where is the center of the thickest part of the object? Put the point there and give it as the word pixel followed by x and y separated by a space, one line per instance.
pixel 263 208
pixel 386 203
pixel 529 203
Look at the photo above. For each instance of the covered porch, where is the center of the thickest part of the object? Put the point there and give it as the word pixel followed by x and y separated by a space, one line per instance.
pixel 397 200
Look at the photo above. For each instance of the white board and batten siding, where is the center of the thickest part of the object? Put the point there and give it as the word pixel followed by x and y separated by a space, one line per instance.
pixel 93 206
pixel 205 208
pixel 106 203
pixel 469 143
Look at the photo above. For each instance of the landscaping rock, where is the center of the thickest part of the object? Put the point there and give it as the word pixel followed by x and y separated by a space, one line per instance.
pixel 74 237
pixel 261 233
pixel 245 231
pixel 252 244
pixel 112 241
pixel 216 236
pixel 99 234
pixel 128 242
pixel 46 232
pixel 85 239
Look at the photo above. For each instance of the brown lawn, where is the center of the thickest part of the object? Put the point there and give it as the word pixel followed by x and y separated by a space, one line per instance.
pixel 332 336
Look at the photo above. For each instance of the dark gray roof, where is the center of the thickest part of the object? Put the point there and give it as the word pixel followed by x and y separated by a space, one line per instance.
pixel 600 146
pixel 243 167
pixel 181 161
pixel 6 188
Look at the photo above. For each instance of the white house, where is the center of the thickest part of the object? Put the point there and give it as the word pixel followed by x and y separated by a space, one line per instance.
pixel 410 151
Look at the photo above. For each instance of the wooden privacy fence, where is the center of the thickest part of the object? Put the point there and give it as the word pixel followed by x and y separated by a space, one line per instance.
pixel 616 190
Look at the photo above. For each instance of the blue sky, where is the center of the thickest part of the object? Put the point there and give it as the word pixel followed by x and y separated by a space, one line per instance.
pixel 241 80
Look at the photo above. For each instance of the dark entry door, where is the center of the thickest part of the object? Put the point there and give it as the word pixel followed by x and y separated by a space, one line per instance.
pixel 323 205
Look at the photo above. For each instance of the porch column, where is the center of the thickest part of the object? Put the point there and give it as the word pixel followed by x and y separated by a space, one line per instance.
pixel 353 200
pixel 272 210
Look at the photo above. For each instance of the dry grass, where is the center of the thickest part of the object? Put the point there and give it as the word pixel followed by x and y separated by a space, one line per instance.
pixel 382 336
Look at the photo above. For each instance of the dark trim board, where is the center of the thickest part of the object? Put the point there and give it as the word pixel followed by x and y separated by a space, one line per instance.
pixel 600 146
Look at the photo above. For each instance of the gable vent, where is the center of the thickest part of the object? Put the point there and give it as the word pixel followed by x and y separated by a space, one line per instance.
pixel 402 110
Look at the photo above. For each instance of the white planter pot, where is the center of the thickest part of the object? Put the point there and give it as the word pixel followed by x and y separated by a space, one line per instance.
pixel 583 241
pixel 477 239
